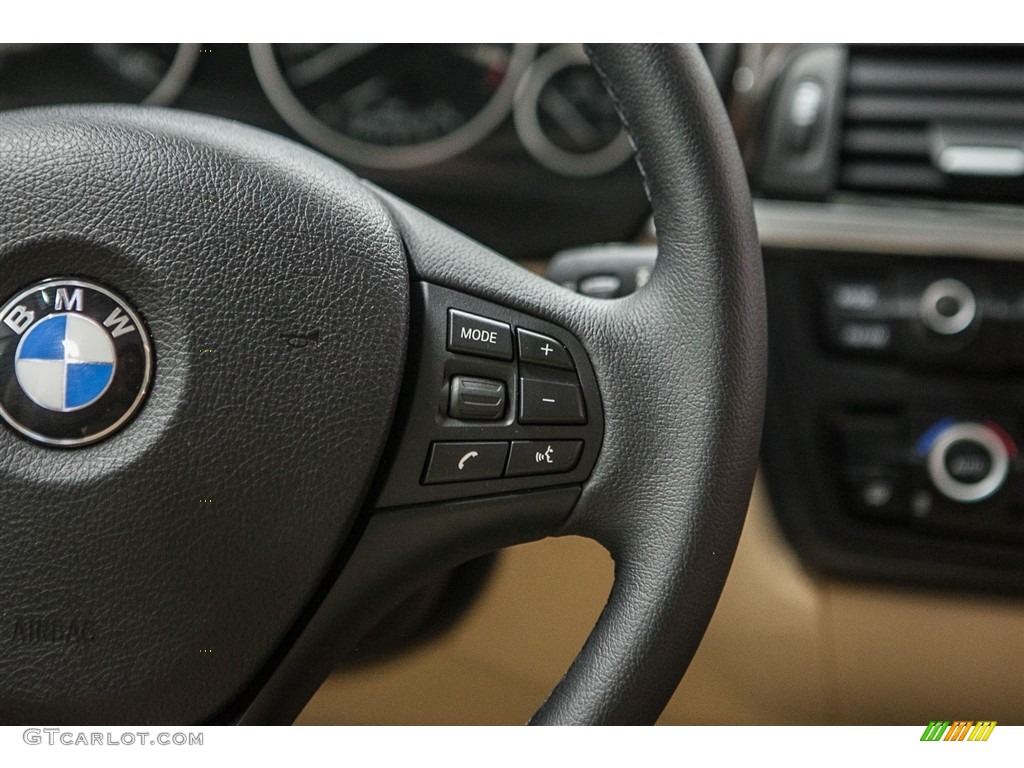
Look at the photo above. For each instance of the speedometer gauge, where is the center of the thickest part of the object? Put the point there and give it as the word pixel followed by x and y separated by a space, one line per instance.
pixel 146 73
pixel 392 106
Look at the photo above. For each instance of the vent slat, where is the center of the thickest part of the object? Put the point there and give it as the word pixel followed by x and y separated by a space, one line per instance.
pixel 900 100
pixel 892 176
pixel 900 75
pixel 870 140
pixel 900 108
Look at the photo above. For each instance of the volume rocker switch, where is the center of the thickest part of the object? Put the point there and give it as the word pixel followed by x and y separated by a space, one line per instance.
pixel 542 350
pixel 550 402
pixel 476 399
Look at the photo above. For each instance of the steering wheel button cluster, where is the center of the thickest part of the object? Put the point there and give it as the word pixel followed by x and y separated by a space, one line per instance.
pixel 550 402
pixel 475 335
pixel 541 457
pixel 542 350
pixel 459 462
pixel 543 396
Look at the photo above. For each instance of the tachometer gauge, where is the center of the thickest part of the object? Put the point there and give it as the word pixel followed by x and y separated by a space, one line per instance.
pixel 392 106
pixel 146 73
pixel 566 119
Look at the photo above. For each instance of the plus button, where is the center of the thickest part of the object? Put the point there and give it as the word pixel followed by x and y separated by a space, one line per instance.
pixel 537 349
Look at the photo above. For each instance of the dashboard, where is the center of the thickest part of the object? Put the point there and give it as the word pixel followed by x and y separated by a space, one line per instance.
pixel 517 145
pixel 894 410
pixel 886 533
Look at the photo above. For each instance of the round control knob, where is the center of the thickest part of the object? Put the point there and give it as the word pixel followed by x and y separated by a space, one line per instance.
pixel 968 462
pixel 948 307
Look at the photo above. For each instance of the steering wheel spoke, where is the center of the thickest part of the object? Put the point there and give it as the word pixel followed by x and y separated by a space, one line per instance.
pixel 498 427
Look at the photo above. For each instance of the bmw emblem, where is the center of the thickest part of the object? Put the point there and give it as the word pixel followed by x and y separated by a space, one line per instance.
pixel 75 362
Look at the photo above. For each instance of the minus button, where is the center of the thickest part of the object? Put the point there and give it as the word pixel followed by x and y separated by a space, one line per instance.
pixel 550 402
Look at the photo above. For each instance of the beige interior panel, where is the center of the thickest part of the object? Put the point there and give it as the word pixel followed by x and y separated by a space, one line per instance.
pixel 914 657
pixel 784 647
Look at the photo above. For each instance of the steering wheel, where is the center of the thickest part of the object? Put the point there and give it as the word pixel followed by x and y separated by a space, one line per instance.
pixel 234 517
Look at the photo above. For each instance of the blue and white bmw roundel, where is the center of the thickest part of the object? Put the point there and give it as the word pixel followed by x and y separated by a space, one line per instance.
pixel 65 362
pixel 75 362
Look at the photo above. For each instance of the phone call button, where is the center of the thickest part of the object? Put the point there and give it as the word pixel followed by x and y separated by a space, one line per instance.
pixel 459 462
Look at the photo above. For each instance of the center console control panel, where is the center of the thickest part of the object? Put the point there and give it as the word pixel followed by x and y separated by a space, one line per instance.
pixel 926 316
pixel 496 401
pixel 934 474
pixel 895 414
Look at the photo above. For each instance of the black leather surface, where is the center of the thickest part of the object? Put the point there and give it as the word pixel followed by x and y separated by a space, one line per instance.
pixel 681 366
pixel 228 239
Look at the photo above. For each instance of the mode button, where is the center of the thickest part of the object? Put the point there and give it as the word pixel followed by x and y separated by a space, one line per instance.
pixel 475 335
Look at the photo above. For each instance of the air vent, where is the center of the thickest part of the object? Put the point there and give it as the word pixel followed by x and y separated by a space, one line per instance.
pixel 935 121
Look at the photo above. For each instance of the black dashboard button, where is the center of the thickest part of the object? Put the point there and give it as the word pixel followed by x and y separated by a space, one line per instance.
pixel 879 493
pixel 550 402
pixel 858 336
pixel 968 461
pixel 475 335
pixel 601 286
pixel 475 399
pixel 459 462
pixel 539 457
pixel 543 350
pixel 861 298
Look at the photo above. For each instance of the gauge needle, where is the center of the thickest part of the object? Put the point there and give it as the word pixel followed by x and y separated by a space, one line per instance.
pixel 328 60
pixel 488 56
pixel 362 95
pixel 570 119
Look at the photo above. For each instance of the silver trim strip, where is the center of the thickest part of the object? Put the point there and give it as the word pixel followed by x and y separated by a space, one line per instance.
pixel 982 161
pixel 990 232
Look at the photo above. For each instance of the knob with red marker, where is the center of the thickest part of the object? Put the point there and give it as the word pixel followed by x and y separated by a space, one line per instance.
pixel 967 461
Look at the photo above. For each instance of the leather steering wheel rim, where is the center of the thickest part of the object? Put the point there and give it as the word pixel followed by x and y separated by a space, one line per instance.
pixel 709 289
pixel 680 366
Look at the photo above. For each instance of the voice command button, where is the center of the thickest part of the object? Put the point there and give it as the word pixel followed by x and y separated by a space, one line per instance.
pixel 541 457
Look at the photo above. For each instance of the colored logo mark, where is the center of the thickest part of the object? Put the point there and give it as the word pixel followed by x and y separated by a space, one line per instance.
pixel 959 730
pixel 65 362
